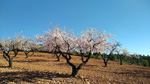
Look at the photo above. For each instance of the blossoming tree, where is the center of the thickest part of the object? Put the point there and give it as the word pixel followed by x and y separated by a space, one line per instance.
pixel 124 52
pixel 28 46
pixel 9 45
pixel 109 49
pixel 50 42
pixel 90 41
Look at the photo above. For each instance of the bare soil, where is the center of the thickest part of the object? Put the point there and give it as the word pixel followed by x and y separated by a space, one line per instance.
pixel 42 68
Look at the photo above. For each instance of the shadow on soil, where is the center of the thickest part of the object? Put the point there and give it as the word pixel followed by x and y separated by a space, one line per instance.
pixel 29 77
pixel 4 66
pixel 135 73
pixel 29 61
pixel 41 56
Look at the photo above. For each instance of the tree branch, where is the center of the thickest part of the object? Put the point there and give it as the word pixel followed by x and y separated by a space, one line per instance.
pixel 6 55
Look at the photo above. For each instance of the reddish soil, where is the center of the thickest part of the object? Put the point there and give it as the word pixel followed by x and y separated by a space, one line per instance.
pixel 42 68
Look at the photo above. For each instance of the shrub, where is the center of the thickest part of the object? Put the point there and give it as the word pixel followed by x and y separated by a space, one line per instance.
pixel 75 53
pixel 145 63
pixel 113 58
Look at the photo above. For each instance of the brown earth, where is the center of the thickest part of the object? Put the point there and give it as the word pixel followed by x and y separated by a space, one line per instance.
pixel 42 68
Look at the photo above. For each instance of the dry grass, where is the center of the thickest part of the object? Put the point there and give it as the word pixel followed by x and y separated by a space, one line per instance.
pixel 42 68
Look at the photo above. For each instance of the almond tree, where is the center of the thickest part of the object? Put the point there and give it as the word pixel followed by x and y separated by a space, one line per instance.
pixel 106 47
pixel 11 45
pixel 124 52
pixel 110 50
pixel 29 46
pixel 87 42
pixel 50 43
pixel 90 41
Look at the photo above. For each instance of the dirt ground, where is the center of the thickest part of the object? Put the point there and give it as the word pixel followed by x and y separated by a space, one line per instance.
pixel 42 68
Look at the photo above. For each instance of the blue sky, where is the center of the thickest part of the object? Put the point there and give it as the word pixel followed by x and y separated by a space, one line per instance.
pixel 128 20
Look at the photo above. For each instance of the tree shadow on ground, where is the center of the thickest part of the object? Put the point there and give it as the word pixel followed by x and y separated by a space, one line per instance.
pixel 62 64
pixel 143 68
pixel 29 76
pixel 4 66
pixel 135 73
pixel 29 61
pixel 40 56
pixel 91 68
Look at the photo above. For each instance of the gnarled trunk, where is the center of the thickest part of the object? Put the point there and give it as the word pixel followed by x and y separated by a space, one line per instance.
pixel 105 60
pixel 26 53
pixel 58 56
pixel 74 68
pixel 10 63
pixel 9 58
pixel 105 64
pixel 74 71
pixel 58 59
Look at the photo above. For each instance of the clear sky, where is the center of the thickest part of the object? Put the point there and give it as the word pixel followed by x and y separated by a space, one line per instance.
pixel 128 20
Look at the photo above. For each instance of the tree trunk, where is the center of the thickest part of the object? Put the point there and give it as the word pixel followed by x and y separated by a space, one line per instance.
pixel 10 63
pixel 26 55
pixel 74 71
pixel 58 56
pixel 58 59
pixel 105 64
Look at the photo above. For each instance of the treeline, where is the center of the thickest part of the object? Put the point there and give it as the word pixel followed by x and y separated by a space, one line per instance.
pixel 140 60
